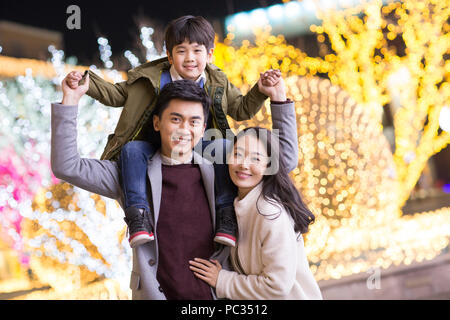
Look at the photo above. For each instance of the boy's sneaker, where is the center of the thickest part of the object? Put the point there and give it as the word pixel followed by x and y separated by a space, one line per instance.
pixel 226 230
pixel 138 227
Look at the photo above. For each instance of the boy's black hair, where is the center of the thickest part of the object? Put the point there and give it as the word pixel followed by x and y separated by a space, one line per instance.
pixel 190 28
pixel 186 90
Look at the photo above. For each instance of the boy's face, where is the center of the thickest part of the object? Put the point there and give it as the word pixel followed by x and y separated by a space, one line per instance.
pixel 181 127
pixel 190 59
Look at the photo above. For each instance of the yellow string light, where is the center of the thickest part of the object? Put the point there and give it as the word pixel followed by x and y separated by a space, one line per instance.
pixel 347 173
pixel 350 178
pixel 12 67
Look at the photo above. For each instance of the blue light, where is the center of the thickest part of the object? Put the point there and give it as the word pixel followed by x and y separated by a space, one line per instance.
pixel 446 188
pixel 290 19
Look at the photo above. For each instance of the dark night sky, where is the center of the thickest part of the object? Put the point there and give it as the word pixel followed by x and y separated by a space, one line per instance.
pixel 114 19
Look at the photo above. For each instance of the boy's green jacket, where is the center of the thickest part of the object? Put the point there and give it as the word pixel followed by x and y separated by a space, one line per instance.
pixel 138 96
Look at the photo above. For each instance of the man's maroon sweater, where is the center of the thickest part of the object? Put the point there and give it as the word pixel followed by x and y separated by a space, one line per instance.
pixel 184 232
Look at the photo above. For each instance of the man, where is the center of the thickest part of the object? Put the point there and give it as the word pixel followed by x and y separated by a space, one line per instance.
pixel 181 187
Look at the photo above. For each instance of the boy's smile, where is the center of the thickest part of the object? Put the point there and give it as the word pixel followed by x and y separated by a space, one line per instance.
pixel 190 59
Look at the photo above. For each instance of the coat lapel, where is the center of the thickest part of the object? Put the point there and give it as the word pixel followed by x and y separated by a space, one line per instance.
pixel 154 172
pixel 207 171
pixel 155 176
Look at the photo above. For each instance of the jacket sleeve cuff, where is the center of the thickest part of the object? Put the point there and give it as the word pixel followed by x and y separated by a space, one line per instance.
pixel 92 79
pixel 222 280
pixel 257 94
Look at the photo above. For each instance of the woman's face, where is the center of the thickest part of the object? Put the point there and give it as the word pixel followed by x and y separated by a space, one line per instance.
pixel 247 163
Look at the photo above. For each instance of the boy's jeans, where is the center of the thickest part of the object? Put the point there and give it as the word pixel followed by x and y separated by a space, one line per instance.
pixel 133 165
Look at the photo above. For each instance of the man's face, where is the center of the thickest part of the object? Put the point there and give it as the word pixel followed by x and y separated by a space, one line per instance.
pixel 190 59
pixel 181 127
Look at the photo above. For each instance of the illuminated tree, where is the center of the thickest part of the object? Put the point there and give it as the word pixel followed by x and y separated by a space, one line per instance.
pixel 358 54
pixel 369 67
pixel 67 237
pixel 349 176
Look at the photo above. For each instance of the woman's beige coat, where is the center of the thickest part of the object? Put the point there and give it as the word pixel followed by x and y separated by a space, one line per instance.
pixel 270 257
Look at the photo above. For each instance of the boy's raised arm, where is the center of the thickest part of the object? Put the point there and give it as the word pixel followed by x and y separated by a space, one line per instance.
pixel 243 107
pixel 112 95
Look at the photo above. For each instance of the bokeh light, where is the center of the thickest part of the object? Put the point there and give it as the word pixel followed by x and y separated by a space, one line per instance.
pixel 348 174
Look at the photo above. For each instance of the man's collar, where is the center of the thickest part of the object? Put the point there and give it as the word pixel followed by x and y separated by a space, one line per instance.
pixel 176 76
pixel 170 162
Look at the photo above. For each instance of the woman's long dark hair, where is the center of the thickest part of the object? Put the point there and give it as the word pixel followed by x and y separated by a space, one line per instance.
pixel 278 188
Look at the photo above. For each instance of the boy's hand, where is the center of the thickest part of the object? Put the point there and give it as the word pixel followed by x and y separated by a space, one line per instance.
pixel 270 78
pixel 73 78
pixel 72 91
pixel 271 84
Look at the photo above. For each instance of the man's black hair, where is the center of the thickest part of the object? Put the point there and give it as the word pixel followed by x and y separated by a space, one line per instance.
pixel 186 90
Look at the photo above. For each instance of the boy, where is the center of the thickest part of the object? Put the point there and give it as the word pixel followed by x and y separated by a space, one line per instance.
pixel 190 46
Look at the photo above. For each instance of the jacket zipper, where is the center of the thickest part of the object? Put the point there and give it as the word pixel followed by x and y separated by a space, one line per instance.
pixel 111 150
pixel 214 122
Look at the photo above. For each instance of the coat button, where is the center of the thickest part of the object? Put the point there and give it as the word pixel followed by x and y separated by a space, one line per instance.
pixel 151 262
pixel 160 289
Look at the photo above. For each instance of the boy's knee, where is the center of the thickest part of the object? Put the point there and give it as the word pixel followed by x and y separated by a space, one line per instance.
pixel 135 146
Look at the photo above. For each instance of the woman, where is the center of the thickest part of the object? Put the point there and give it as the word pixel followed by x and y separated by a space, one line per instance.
pixel 269 260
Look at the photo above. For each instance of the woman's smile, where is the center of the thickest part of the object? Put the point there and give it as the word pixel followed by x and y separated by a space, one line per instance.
pixel 242 175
